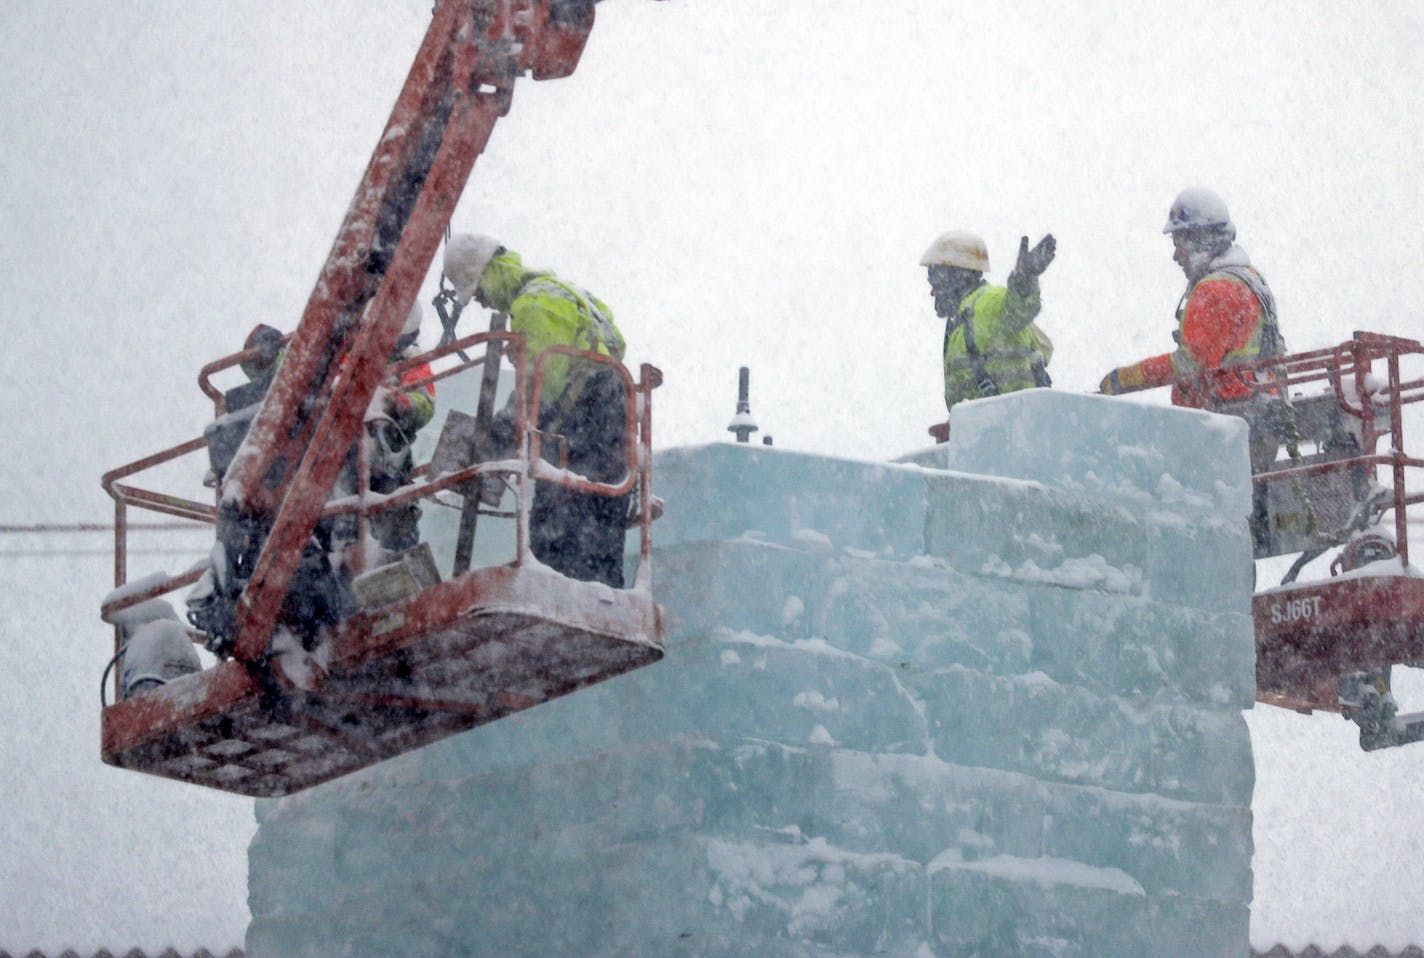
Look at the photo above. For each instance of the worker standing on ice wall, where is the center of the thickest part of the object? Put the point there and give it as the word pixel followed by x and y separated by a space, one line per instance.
pixel 991 344
pixel 579 534
pixel 1226 317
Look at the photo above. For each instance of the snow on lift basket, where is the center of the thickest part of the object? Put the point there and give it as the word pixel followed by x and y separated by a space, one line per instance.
pixel 438 657
pixel 461 654
pixel 1330 644
pixel 422 659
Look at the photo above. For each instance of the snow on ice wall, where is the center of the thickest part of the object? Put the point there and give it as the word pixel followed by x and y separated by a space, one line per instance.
pixel 984 702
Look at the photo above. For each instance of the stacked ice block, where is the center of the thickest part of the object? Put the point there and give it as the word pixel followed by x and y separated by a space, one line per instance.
pixel 984 701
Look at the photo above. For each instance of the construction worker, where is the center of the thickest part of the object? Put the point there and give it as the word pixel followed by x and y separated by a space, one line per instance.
pixel 1226 317
pixel 991 344
pixel 405 406
pixel 319 594
pixel 407 409
pixel 580 534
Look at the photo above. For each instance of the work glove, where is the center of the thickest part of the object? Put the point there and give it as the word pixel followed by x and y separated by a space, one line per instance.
pixel 1032 262
pixel 1124 379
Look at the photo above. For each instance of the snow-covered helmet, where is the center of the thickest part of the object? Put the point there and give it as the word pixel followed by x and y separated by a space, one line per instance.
pixel 957 248
pixel 1198 209
pixel 467 255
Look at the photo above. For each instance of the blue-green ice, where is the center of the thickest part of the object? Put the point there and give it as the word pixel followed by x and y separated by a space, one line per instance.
pixel 984 701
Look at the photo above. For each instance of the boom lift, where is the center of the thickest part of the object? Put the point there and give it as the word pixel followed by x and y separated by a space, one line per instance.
pixel 429 658
pixel 1331 643
pixel 1338 415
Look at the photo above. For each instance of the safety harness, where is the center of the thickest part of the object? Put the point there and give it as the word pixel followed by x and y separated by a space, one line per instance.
pixel 1271 345
pixel 984 382
pixel 597 336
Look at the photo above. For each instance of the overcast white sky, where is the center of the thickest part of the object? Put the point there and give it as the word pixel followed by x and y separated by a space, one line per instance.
pixel 745 183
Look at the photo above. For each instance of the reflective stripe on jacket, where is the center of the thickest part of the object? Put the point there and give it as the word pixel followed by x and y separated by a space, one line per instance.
pixel 1004 336
pixel 413 408
pixel 1221 322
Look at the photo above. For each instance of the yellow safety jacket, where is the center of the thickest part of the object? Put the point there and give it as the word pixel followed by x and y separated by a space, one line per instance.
pixel 991 345
pixel 548 311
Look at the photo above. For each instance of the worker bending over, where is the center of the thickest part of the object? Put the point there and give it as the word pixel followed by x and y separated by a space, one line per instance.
pixel 580 534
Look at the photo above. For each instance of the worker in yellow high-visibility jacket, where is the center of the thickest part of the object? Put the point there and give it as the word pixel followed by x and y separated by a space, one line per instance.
pixel 580 534
pixel 991 344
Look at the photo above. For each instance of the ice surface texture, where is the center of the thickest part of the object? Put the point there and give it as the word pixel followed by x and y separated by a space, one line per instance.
pixel 984 702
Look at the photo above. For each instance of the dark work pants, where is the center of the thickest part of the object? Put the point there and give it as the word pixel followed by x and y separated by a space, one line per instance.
pixel 576 533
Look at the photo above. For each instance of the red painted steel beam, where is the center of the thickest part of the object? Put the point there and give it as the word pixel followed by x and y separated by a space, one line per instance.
pixel 258 477
pixel 458 87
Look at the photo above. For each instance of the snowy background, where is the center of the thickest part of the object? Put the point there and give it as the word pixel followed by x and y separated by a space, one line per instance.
pixel 745 184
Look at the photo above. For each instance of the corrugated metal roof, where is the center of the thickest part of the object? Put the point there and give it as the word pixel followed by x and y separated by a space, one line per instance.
pixel 1312 951
pixel 1279 951
pixel 131 953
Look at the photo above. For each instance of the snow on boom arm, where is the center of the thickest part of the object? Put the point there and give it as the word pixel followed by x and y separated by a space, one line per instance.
pixel 401 658
pixel 457 88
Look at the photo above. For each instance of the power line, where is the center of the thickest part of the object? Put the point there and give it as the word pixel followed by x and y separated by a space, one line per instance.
pixel 40 527
pixel 50 553
pixel 43 552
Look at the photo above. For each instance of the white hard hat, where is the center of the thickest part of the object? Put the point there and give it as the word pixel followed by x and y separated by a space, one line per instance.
pixel 958 248
pixel 1196 209
pixel 466 257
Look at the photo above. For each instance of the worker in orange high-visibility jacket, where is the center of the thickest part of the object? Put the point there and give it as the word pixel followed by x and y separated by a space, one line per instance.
pixel 406 405
pixel 319 594
pixel 1226 317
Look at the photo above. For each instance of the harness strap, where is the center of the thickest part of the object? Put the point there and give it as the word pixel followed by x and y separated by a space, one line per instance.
pixel 965 317
pixel 1026 354
pixel 600 335
pixel 1273 344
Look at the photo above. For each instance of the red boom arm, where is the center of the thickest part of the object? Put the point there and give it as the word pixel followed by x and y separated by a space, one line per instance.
pixel 458 87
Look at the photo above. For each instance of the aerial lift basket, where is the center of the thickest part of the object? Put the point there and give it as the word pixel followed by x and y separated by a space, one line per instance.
pixel 1346 471
pixel 424 658
pixel 429 659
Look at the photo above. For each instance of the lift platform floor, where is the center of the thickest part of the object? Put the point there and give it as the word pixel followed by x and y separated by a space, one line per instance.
pixel 458 655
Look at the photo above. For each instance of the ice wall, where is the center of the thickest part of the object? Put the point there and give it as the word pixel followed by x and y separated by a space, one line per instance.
pixel 983 702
